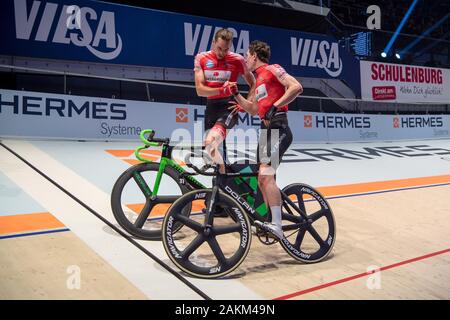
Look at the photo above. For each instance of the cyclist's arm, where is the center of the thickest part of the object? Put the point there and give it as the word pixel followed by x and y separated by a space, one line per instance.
pixel 250 78
pixel 250 106
pixel 293 89
pixel 200 85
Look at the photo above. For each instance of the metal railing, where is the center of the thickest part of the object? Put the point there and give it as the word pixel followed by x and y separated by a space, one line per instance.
pixel 358 104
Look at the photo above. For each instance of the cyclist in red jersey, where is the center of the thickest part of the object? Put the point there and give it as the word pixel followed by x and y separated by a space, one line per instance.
pixel 275 89
pixel 214 70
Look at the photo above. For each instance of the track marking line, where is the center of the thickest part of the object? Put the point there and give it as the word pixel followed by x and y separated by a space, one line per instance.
pixel 361 275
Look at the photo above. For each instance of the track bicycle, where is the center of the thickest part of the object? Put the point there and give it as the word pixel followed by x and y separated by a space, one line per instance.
pixel 206 246
pixel 143 193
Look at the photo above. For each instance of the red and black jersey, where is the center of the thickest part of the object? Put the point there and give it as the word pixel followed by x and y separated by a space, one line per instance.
pixel 217 72
pixel 269 87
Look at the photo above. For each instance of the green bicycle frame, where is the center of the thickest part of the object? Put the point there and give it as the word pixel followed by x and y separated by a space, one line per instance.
pixel 251 197
pixel 165 161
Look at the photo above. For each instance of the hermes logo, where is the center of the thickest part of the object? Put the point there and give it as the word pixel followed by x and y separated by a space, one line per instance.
pixel 396 123
pixel 182 115
pixel 307 120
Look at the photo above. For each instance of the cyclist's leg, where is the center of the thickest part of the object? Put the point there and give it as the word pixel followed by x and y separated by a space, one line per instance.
pixel 258 160
pixel 263 158
pixel 218 119
pixel 266 180
pixel 273 145
pixel 271 192
pixel 213 139
pixel 212 136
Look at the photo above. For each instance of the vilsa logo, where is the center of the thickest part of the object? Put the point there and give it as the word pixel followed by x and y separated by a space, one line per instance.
pixel 182 114
pixel 317 54
pixel 198 38
pixel 82 27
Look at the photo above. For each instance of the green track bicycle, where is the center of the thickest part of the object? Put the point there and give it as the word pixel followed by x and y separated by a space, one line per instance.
pixel 143 193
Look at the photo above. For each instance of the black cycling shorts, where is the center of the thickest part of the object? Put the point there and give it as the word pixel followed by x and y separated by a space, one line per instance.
pixel 217 112
pixel 274 141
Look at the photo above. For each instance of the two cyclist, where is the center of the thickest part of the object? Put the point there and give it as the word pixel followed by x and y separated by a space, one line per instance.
pixel 275 89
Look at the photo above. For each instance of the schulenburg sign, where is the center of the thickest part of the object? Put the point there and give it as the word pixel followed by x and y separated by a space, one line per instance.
pixel 404 83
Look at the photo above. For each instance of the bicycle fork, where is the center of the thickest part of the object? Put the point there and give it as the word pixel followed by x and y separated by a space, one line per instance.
pixel 159 175
pixel 211 208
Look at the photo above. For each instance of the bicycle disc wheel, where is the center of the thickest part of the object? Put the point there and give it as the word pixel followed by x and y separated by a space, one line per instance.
pixel 134 208
pixel 308 240
pixel 206 251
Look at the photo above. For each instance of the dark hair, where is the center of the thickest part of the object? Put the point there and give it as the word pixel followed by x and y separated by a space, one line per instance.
pixel 261 49
pixel 223 34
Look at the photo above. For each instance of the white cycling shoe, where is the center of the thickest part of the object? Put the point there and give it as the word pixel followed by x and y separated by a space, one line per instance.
pixel 272 228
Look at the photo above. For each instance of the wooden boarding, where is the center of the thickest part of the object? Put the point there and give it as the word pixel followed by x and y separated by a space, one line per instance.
pixel 43 266
pixel 374 230
pixel 399 225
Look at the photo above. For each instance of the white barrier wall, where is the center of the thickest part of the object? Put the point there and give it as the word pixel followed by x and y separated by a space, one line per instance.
pixel 54 116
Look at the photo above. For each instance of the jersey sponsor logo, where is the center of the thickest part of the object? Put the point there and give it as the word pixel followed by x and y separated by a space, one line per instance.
pixel 82 27
pixel 219 76
pixel 261 92
pixel 197 38
pixel 209 64
pixel 316 54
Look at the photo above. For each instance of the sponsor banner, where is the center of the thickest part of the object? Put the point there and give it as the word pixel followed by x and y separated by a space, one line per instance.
pixel 103 32
pixel 404 83
pixel 45 115
pixel 42 115
pixel 328 127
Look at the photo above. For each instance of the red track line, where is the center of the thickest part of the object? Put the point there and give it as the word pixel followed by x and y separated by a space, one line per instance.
pixel 325 285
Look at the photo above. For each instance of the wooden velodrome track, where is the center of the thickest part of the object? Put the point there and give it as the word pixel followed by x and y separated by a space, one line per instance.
pixel 391 209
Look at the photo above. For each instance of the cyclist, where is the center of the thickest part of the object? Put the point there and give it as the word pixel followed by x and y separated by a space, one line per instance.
pixel 275 89
pixel 213 71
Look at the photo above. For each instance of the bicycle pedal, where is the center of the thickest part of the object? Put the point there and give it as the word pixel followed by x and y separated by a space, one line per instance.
pixel 266 238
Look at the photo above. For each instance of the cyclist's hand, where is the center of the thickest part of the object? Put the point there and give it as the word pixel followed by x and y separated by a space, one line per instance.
pixel 269 115
pixel 229 89
pixel 235 107
pixel 234 88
